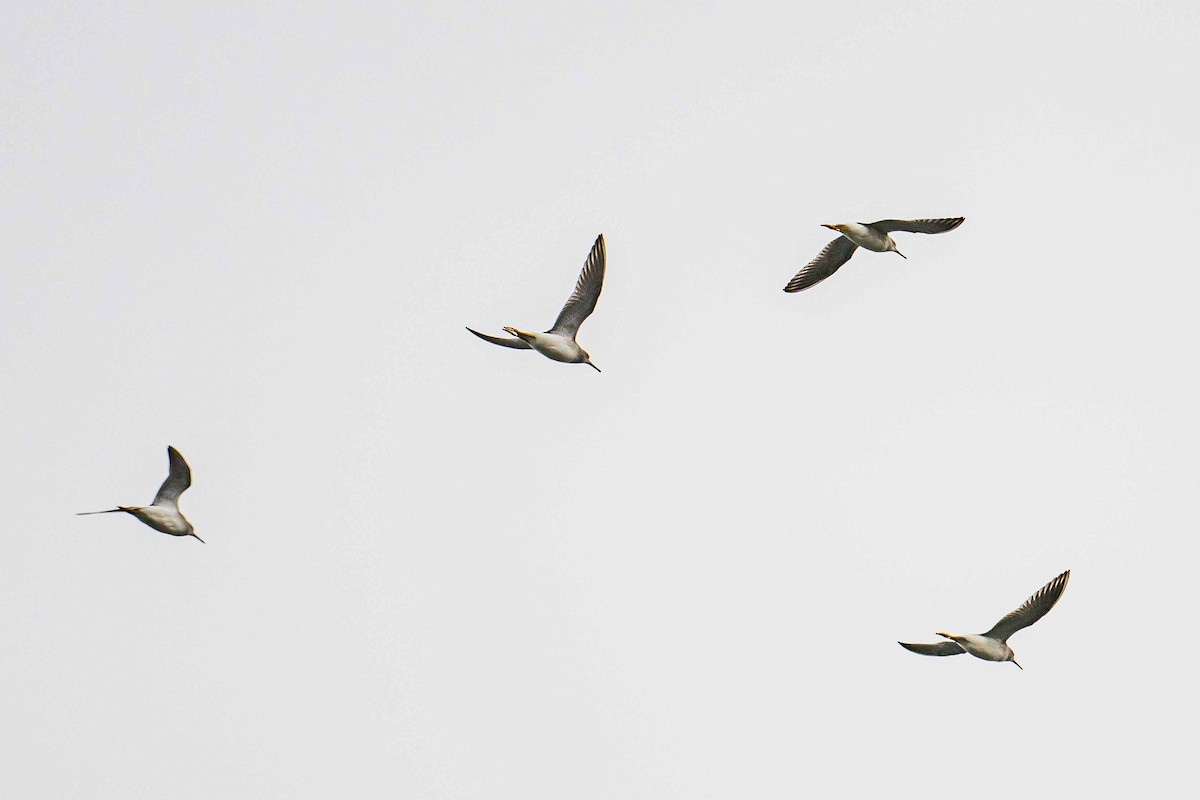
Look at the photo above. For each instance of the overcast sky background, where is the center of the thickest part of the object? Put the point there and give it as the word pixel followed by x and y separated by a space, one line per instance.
pixel 439 569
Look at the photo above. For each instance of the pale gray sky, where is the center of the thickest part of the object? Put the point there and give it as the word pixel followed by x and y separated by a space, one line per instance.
pixel 438 569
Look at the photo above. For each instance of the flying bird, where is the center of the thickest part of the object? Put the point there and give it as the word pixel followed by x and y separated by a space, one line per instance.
pixel 874 236
pixel 993 645
pixel 559 343
pixel 163 514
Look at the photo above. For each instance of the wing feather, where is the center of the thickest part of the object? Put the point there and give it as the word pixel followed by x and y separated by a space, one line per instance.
pixel 946 648
pixel 1031 610
pixel 582 302
pixel 178 479
pixel 918 225
pixel 826 263
pixel 503 341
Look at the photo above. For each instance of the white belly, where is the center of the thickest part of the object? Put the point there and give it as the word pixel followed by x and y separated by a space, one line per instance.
pixel 867 238
pixel 985 648
pixel 164 520
pixel 559 348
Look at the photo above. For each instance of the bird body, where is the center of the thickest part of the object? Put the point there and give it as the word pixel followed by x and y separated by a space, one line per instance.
pixel 982 647
pixel 874 236
pixel 164 520
pixel 163 513
pixel 866 236
pixel 558 343
pixel 552 345
pixel 993 645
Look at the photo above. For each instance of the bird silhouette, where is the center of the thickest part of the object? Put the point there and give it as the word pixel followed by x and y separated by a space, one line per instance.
pixel 993 645
pixel 873 236
pixel 559 343
pixel 163 514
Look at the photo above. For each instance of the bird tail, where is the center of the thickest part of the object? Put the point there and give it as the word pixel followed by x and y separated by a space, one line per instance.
pixel 108 511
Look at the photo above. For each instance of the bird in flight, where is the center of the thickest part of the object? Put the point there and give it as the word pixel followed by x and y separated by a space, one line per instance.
pixel 874 236
pixel 559 343
pixel 993 645
pixel 163 514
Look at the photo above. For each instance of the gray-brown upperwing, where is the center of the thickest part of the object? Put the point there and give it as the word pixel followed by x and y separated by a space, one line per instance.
pixel 826 263
pixel 582 301
pixel 1031 610
pixel 179 479
pixel 918 225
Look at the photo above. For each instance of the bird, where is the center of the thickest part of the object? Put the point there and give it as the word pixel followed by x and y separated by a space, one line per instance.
pixel 559 343
pixel 873 236
pixel 993 645
pixel 163 514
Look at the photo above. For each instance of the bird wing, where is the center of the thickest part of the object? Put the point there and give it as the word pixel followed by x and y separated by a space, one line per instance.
pixel 946 648
pixel 177 481
pixel 503 341
pixel 1031 610
pixel 826 263
pixel 582 301
pixel 918 225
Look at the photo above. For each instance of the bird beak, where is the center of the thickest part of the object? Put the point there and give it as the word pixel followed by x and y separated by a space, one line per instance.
pixel 593 366
pixel 1018 665
pixel 831 227
pixel 897 252
pixel 201 540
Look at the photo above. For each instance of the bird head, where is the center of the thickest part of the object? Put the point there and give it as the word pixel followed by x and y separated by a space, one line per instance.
pixel 588 360
pixel 837 228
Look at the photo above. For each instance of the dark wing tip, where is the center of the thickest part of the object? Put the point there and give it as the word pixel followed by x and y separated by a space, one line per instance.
pixel 174 457
pixel 945 224
pixel 1061 581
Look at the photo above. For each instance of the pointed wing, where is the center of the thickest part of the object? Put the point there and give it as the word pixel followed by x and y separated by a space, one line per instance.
pixel 503 341
pixel 918 225
pixel 179 479
pixel 826 263
pixel 582 301
pixel 946 648
pixel 1031 610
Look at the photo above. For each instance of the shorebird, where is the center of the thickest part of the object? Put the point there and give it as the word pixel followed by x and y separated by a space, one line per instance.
pixel 558 343
pixel 993 645
pixel 163 514
pixel 873 236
